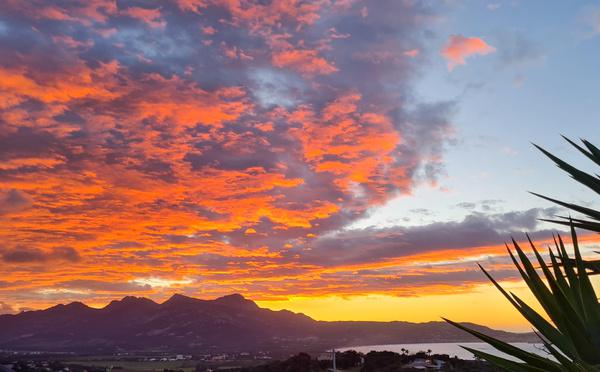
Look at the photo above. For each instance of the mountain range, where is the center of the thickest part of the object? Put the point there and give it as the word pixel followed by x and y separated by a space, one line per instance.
pixel 227 324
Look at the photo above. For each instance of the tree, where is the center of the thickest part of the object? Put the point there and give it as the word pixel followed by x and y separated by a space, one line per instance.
pixel 567 296
pixel 348 359
pixel 381 360
pixel 301 362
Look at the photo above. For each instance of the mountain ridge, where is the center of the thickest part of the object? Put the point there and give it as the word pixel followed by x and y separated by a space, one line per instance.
pixel 188 324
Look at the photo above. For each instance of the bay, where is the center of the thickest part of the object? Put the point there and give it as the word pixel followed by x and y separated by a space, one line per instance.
pixel 449 348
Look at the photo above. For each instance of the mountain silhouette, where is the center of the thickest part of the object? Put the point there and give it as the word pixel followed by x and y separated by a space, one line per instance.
pixel 186 324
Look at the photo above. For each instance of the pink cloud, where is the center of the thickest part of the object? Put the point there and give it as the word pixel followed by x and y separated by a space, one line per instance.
pixel 458 48
pixel 150 16
pixel 412 53
pixel 305 61
pixel 209 30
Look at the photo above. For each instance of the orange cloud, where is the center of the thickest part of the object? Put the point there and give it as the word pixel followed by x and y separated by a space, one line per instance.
pixel 304 61
pixel 357 147
pixel 142 160
pixel 458 48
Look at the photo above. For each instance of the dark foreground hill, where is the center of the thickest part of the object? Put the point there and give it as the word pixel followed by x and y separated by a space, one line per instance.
pixel 185 324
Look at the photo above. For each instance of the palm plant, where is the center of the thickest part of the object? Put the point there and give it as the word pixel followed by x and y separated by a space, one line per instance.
pixel 564 290
pixel 591 181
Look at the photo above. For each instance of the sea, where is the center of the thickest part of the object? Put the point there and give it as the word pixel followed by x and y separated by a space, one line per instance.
pixel 449 348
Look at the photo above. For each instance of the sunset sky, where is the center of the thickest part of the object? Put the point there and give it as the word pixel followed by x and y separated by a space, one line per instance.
pixel 347 159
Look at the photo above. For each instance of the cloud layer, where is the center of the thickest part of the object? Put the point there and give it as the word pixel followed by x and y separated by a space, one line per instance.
pixel 217 146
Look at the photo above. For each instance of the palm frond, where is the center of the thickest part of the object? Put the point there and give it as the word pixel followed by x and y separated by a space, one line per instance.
pixel 584 178
pixel 564 291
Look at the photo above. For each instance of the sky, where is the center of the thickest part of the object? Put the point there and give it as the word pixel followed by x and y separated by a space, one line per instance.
pixel 347 159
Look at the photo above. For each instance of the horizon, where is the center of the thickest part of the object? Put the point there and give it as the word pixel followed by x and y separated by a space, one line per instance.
pixel 228 296
pixel 344 159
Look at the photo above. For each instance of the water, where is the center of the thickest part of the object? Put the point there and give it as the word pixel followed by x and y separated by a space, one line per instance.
pixel 449 348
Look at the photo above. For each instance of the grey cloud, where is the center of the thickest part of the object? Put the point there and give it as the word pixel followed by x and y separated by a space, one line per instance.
pixel 487 205
pixel 124 244
pixel 381 280
pixel 36 255
pixel 216 261
pixel 12 201
pixel 421 211
pixel 427 131
pixel 466 205
pixel 372 244
pixel 490 204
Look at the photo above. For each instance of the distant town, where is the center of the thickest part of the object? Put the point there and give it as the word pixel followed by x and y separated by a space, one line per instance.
pixel 349 360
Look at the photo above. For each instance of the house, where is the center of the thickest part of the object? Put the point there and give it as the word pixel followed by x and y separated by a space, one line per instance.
pixel 420 363
pixel 325 356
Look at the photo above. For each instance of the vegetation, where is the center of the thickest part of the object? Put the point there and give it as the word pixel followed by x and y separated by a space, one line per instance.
pixel 592 222
pixel 48 366
pixel 563 289
pixel 383 360
pixel 298 363
pixel 345 360
pixel 374 361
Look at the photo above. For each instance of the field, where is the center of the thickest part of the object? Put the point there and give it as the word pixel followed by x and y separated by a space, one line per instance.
pixel 145 366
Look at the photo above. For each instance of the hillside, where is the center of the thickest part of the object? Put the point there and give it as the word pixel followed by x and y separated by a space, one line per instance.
pixel 185 324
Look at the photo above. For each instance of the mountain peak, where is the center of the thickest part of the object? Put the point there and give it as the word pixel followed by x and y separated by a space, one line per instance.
pixel 135 300
pixel 235 299
pixel 73 306
pixel 178 298
pixel 232 297
pixel 129 301
pixel 77 305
